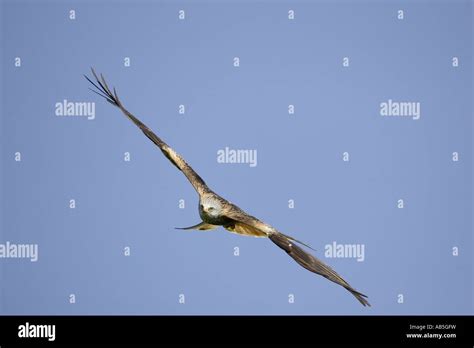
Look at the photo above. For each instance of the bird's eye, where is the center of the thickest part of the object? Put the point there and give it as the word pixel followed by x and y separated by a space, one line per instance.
pixel 211 208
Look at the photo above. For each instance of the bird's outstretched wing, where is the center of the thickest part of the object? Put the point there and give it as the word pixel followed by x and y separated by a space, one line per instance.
pixel 314 265
pixel 102 89
pixel 287 243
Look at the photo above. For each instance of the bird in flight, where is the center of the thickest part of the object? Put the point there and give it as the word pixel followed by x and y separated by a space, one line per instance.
pixel 216 211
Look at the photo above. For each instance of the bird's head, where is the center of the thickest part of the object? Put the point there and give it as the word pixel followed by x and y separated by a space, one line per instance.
pixel 211 207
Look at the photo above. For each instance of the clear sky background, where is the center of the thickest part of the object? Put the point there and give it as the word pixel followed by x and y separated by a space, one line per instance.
pixel 135 204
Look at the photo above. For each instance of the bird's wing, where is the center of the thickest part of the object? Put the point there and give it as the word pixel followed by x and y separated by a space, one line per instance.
pixel 104 91
pixel 246 224
pixel 287 243
pixel 314 265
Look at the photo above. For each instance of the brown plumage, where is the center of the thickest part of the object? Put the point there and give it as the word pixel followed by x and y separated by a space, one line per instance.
pixel 216 211
pixel 312 264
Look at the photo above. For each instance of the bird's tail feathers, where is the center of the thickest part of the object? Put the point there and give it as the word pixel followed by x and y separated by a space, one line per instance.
pixel 202 226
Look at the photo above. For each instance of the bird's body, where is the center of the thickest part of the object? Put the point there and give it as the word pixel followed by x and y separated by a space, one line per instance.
pixel 216 211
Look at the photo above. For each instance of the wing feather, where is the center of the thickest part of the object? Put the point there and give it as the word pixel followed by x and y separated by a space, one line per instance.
pixel 104 91
pixel 314 265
